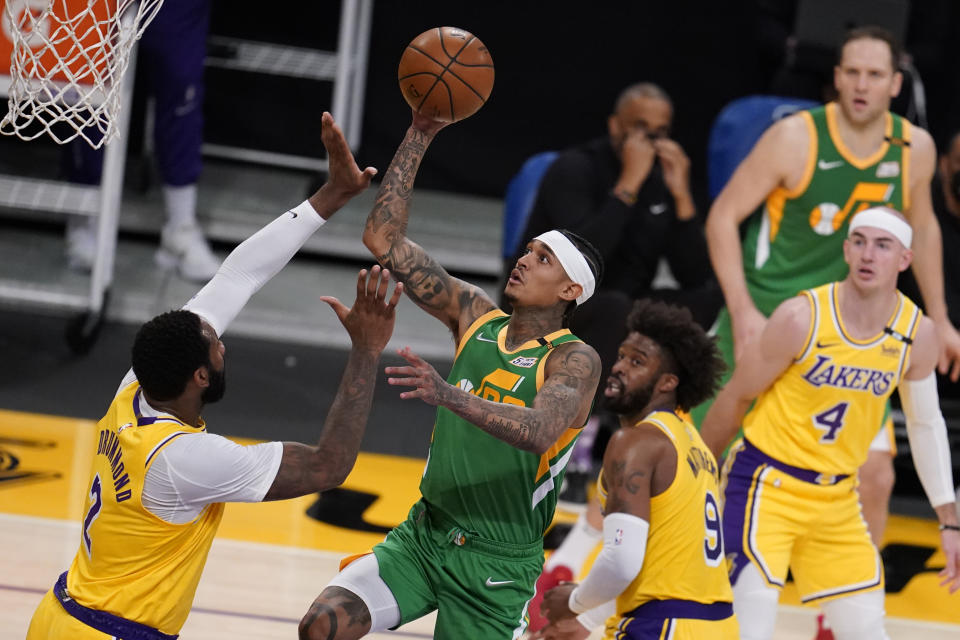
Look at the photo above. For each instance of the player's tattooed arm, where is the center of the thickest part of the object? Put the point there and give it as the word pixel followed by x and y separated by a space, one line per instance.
pixel 561 403
pixel 639 463
pixel 305 469
pixel 455 302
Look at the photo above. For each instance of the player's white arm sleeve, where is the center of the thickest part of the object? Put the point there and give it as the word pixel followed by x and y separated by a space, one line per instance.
pixel 598 616
pixel 617 564
pixel 927 432
pixel 252 264
pixel 249 267
pixel 196 469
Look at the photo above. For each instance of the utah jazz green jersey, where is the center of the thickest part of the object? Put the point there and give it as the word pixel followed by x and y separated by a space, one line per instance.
pixel 487 486
pixel 794 240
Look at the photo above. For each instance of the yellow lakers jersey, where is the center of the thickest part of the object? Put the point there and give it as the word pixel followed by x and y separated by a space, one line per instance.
pixel 130 562
pixel 822 412
pixel 684 559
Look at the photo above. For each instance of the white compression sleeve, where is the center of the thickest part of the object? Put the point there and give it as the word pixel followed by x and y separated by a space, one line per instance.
pixel 249 267
pixel 252 264
pixel 598 616
pixel 619 562
pixel 927 432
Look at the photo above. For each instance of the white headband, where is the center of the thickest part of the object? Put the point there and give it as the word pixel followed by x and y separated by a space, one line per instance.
pixel 883 218
pixel 572 261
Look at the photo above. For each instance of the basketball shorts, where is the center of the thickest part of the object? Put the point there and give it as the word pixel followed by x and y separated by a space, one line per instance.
pixel 51 620
pixel 723 330
pixel 779 517
pixel 479 587
pixel 653 621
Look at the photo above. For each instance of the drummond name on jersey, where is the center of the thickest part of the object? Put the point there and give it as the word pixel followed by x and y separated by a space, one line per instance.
pixel 825 372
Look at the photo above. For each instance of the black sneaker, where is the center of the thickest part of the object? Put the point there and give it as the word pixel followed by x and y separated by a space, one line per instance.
pixel 573 491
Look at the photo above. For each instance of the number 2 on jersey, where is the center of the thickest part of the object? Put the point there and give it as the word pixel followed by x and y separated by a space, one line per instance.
pixel 95 505
pixel 713 536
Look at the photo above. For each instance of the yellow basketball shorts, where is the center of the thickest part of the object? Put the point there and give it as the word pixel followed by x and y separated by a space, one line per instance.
pixel 675 620
pixel 51 620
pixel 775 520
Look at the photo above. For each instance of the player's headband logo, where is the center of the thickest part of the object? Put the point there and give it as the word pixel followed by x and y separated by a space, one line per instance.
pixel 886 219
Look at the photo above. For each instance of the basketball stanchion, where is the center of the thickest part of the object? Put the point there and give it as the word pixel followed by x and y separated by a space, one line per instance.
pixel 68 60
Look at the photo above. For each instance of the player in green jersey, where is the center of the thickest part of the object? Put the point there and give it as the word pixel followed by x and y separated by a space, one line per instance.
pixel 508 415
pixel 802 182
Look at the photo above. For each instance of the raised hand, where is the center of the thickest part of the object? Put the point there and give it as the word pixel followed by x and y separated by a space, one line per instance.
pixel 676 175
pixel 636 155
pixel 370 321
pixel 429 386
pixel 344 177
pixel 427 124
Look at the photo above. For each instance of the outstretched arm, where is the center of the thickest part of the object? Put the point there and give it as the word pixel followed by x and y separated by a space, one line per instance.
pixel 261 256
pixel 766 358
pixel 563 401
pixel 305 469
pixel 454 302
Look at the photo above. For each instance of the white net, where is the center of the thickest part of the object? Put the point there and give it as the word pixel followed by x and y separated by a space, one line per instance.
pixel 67 63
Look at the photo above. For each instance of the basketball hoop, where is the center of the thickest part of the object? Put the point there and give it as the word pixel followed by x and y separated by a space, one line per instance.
pixel 67 60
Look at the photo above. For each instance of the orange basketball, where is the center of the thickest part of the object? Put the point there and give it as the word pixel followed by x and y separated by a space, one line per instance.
pixel 446 74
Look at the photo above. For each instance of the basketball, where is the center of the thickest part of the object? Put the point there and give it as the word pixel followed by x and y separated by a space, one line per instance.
pixel 446 74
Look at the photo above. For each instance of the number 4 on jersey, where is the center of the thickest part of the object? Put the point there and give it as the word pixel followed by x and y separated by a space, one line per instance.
pixel 831 421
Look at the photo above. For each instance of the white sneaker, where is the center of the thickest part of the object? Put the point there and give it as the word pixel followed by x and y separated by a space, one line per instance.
pixel 186 250
pixel 81 243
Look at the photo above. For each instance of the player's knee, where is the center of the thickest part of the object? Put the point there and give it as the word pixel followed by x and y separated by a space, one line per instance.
pixel 755 603
pixel 857 617
pixel 877 476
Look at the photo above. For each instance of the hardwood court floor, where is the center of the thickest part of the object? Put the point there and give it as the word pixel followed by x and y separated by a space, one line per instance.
pixel 270 560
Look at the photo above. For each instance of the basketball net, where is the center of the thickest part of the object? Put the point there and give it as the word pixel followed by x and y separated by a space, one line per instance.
pixel 67 62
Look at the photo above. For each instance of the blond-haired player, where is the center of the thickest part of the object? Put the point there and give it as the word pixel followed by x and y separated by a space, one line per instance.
pixel 821 372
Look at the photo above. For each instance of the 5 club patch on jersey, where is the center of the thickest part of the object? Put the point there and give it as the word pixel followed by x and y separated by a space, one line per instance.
pixel 524 361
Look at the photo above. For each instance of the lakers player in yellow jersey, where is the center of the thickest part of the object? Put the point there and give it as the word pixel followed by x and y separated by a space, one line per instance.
pixel 662 571
pixel 796 192
pixel 158 479
pixel 821 373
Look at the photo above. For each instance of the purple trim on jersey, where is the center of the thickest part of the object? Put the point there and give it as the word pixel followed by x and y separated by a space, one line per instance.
pixel 160 446
pixel 807 475
pixel 105 622
pixel 738 482
pixel 682 609
pixel 136 403
pixel 846 590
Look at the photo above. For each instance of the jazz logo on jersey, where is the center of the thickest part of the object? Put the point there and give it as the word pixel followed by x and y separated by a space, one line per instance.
pixel 825 372
pixel 827 217
pixel 496 386
pixel 524 362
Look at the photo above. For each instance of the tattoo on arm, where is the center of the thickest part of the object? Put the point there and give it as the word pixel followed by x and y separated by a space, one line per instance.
pixel 327 605
pixel 426 282
pixel 557 404
pixel 305 469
